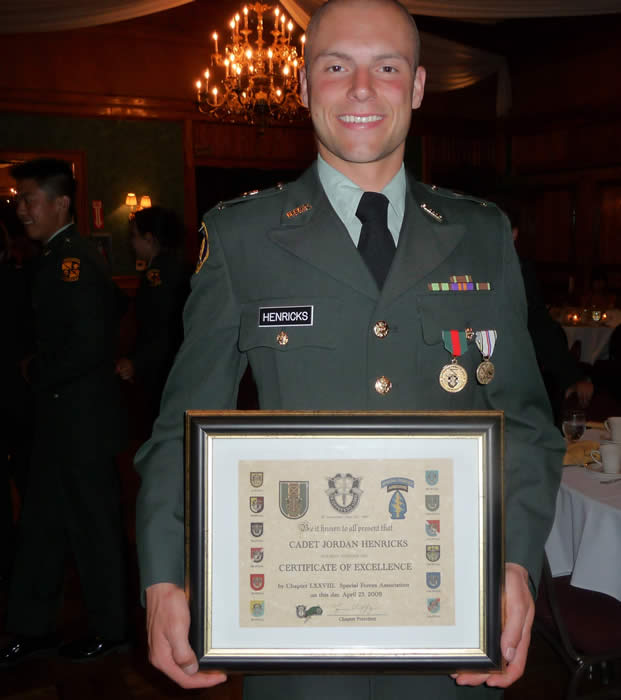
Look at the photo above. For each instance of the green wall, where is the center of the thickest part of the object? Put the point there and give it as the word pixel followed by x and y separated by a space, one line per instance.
pixel 122 155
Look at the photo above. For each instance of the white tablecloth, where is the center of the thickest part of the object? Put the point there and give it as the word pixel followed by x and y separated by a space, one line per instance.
pixel 585 540
pixel 594 340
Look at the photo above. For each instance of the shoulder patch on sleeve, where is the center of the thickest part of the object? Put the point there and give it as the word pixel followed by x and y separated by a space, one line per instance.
pixel 70 268
pixel 203 253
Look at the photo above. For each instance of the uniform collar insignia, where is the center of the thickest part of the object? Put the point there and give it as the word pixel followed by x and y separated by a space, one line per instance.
pixel 432 212
pixel 299 210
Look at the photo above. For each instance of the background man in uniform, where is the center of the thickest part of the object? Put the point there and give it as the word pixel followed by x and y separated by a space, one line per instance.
pixel 374 344
pixel 72 502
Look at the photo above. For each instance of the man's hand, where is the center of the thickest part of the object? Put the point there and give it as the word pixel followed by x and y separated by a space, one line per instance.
pixel 583 390
pixel 168 626
pixel 519 614
pixel 125 369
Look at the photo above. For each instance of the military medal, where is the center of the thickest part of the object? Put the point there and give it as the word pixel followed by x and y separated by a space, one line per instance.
pixel 486 341
pixel 453 377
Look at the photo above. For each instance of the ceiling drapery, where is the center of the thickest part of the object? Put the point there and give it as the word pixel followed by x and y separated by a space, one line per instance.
pixel 301 10
pixel 17 16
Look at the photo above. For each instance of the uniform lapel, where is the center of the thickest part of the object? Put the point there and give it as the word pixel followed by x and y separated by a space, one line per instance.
pixel 317 235
pixel 423 245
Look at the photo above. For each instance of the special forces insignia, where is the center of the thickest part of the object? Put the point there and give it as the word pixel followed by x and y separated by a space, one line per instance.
pixel 432 477
pixel 293 498
pixel 256 554
pixel 433 579
pixel 256 529
pixel 257 581
pixel 344 492
pixel 433 605
pixel 256 479
pixel 203 253
pixel 71 269
pixel 398 506
pixel 256 504
pixel 432 528
pixel 432 552
pixel 154 277
pixel 306 613
pixel 257 608
pixel 432 502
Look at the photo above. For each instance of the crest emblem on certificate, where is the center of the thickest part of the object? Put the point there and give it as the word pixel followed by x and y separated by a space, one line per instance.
pixel 293 498
pixel 256 529
pixel 257 581
pixel 256 555
pixel 433 579
pixel 432 476
pixel 257 608
pixel 256 479
pixel 433 605
pixel 432 502
pixel 432 528
pixel 397 507
pixel 344 492
pixel 432 552
pixel 256 504
pixel 305 613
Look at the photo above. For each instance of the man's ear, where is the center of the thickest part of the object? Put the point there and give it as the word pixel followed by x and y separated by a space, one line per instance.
pixel 419 87
pixel 63 203
pixel 304 87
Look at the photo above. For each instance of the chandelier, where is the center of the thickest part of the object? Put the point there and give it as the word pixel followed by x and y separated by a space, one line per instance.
pixel 254 83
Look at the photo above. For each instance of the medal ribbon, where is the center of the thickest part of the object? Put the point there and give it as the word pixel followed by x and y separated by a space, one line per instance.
pixel 486 341
pixel 455 342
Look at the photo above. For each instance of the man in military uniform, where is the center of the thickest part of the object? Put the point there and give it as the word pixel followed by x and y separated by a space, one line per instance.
pixel 381 335
pixel 72 503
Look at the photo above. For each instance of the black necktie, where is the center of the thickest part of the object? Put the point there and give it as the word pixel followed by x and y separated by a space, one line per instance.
pixel 376 244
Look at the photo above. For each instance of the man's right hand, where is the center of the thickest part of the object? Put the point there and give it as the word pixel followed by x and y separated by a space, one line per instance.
pixel 168 626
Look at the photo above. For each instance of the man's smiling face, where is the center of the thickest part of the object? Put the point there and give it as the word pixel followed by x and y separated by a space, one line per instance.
pixel 361 83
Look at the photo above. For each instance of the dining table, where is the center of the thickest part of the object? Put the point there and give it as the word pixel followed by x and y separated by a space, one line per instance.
pixel 594 341
pixel 585 540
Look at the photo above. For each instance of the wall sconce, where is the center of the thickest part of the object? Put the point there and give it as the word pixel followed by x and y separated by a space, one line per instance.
pixel 132 201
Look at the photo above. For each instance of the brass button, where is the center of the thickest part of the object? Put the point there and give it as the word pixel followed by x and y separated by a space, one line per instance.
pixel 282 338
pixel 383 385
pixel 381 329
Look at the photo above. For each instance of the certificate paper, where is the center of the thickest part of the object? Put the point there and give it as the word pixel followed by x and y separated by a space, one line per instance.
pixel 346 543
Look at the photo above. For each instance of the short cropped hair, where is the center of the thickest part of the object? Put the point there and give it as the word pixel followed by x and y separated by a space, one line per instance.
pixel 163 224
pixel 51 174
pixel 315 20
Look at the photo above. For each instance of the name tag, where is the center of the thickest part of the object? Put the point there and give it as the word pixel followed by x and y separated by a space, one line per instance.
pixel 285 316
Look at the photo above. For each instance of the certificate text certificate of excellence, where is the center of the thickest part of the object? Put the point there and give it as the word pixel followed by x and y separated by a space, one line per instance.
pixel 335 543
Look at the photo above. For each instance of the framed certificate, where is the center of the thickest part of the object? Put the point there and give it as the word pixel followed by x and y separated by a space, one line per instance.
pixel 344 541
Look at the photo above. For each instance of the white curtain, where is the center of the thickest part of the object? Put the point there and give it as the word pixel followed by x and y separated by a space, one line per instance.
pixel 17 16
pixel 301 10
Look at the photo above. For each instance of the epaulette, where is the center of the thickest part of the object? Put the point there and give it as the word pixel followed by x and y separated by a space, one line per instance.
pixel 456 194
pixel 251 196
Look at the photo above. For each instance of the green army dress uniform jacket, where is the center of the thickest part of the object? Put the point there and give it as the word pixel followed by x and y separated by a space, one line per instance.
pixel 289 248
pixel 76 315
pixel 161 295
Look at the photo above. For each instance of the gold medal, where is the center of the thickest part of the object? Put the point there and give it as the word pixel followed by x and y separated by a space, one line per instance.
pixel 453 377
pixel 485 371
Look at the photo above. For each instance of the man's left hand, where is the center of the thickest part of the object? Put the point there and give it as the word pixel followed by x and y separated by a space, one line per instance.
pixel 519 610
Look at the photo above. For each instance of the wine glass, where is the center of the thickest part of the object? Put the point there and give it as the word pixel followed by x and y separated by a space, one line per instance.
pixel 574 425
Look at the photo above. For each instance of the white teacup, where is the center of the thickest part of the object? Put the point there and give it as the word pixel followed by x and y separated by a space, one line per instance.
pixel 609 457
pixel 613 426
